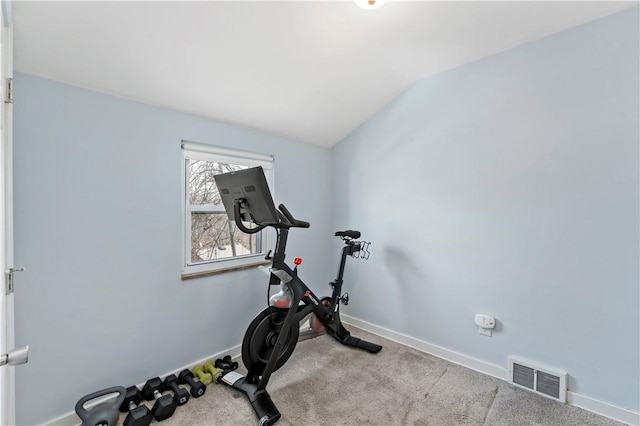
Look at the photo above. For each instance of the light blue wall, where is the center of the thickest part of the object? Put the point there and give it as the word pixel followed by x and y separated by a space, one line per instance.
pixel 98 226
pixel 509 186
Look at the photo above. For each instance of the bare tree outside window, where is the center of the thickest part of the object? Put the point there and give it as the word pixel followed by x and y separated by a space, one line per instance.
pixel 213 236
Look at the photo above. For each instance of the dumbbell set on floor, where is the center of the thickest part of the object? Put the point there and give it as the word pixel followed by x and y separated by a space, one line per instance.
pixel 212 371
pixel 164 405
pixel 129 400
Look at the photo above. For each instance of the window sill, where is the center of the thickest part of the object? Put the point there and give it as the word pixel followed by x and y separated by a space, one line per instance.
pixel 192 275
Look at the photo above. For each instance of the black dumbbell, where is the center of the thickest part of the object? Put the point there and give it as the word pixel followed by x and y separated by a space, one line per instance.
pixel 197 388
pixel 139 415
pixel 226 364
pixel 164 406
pixel 180 395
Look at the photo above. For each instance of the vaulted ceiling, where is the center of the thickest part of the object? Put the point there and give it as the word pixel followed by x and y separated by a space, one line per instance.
pixel 311 71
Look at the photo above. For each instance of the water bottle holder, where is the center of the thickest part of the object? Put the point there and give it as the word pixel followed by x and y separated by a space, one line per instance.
pixel 364 252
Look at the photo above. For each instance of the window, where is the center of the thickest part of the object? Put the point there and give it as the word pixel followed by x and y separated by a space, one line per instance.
pixel 211 242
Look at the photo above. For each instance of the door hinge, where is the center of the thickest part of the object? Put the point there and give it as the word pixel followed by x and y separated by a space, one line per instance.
pixel 9 98
pixel 9 278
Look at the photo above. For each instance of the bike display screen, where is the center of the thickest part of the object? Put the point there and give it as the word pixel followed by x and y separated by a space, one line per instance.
pixel 250 186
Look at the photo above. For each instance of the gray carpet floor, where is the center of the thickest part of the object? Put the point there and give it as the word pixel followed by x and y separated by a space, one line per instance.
pixel 325 383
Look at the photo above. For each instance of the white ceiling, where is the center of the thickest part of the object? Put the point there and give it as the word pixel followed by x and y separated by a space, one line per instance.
pixel 311 71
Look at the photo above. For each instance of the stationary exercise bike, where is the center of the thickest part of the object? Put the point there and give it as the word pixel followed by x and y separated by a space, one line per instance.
pixel 272 336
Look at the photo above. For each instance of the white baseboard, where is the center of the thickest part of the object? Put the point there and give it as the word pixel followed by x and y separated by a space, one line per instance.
pixel 602 408
pixel 449 355
pixel 72 419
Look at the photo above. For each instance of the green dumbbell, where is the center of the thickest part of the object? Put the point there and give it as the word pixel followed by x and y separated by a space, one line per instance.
pixel 203 376
pixel 215 372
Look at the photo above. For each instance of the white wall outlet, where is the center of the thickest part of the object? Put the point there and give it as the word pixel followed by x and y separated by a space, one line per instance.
pixel 485 323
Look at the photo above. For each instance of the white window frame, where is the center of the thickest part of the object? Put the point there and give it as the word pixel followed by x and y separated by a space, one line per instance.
pixel 199 151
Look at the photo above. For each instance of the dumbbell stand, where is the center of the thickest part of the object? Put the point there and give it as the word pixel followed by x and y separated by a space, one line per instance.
pixel 259 398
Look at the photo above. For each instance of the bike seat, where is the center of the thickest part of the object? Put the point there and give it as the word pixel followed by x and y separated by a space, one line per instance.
pixel 349 234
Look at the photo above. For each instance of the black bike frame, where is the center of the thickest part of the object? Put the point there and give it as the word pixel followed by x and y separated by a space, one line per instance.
pixel 328 315
pixel 255 383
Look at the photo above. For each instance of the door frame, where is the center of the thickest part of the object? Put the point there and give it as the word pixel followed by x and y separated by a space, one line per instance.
pixel 7 331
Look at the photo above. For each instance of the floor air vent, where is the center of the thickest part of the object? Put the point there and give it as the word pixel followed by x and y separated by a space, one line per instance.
pixel 545 381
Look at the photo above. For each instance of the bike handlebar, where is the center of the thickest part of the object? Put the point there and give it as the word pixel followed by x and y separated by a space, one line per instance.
pixel 240 225
pixel 292 221
pixel 284 215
